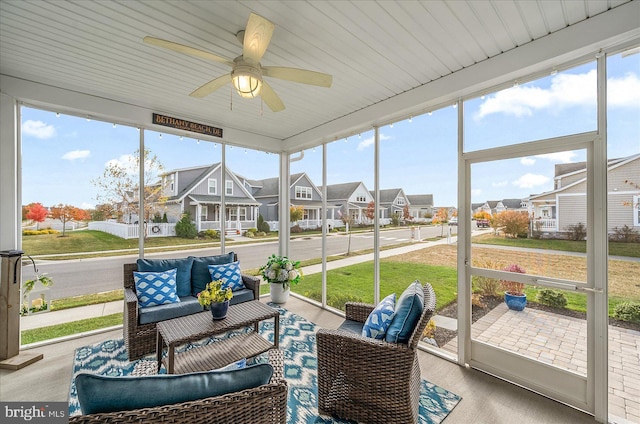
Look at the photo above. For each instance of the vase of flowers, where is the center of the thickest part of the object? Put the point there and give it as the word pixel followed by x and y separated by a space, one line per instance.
pixel 514 295
pixel 281 273
pixel 215 297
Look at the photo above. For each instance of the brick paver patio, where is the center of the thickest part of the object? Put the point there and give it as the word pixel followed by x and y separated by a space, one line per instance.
pixel 562 341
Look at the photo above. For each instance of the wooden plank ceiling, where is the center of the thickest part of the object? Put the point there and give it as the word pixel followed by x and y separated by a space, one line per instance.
pixel 374 49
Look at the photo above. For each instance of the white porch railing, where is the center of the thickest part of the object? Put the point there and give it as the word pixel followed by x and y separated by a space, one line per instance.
pixel 544 224
pixel 129 231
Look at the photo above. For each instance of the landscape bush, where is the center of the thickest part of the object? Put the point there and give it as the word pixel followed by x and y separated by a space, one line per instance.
pixel 484 285
pixel 185 228
pixel 577 232
pixel 44 231
pixel 209 234
pixel 514 224
pixel 553 298
pixel 625 234
pixel 627 311
pixel 296 229
pixel 262 224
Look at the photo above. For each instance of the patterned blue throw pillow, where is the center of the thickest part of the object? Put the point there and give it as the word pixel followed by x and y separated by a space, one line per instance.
pixel 380 318
pixel 156 288
pixel 229 274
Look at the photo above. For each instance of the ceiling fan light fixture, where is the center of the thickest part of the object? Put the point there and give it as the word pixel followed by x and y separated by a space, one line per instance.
pixel 247 80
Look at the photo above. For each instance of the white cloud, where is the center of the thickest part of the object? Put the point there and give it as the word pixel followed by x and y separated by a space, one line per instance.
pixel 566 90
pixel 85 205
pixel 562 157
pixel 500 184
pixel 623 92
pixel 530 180
pixel 128 162
pixel 527 161
pixel 38 129
pixel 76 154
pixel 369 142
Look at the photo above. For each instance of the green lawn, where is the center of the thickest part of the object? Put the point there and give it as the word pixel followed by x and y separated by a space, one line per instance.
pixel 355 282
pixel 615 248
pixel 75 327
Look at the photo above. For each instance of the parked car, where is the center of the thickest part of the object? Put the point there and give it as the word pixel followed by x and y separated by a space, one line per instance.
pixel 453 221
pixel 482 223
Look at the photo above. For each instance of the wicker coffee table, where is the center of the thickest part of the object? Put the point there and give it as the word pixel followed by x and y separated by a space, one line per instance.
pixel 190 328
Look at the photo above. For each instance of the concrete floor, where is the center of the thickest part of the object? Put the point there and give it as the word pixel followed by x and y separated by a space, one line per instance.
pixel 485 399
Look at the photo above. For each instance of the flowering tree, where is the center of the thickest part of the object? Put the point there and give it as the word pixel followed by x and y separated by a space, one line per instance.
pixel 370 212
pixel 405 213
pixel 37 213
pixel 296 213
pixel 442 217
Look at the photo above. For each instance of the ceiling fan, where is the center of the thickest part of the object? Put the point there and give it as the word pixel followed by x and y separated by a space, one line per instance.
pixel 246 71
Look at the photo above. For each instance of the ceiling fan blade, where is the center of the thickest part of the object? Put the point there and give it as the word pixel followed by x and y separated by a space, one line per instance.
pixel 180 48
pixel 257 37
pixel 211 86
pixel 298 75
pixel 271 98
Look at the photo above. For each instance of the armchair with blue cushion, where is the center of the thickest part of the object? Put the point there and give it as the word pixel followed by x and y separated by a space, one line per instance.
pixel 368 369
pixel 159 289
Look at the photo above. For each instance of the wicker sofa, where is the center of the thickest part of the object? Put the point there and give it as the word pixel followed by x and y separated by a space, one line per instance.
pixel 369 380
pixel 265 404
pixel 140 337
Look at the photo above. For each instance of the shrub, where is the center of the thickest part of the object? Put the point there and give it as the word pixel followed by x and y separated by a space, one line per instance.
pixel 395 219
pixel 157 219
pixel 514 224
pixel 252 230
pixel 185 228
pixel 249 234
pixel 625 234
pixel 577 232
pixel 484 285
pixel 553 298
pixel 296 229
pixel 209 234
pixel 513 287
pixel 262 224
pixel 39 232
pixel 627 311
pixel 430 329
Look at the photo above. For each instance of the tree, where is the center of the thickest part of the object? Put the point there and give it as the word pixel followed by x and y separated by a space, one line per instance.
pixel 37 213
pixel 405 213
pixel 442 217
pixel 119 185
pixel 482 215
pixel 296 213
pixel 514 223
pixel 370 212
pixel 66 213
pixel 185 228
pixel 102 212
pixel 347 220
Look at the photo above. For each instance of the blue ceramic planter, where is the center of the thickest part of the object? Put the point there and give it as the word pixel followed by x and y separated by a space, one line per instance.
pixel 219 310
pixel 515 303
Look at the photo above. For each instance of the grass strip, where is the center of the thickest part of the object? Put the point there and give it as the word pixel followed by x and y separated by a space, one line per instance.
pixel 84 300
pixel 60 330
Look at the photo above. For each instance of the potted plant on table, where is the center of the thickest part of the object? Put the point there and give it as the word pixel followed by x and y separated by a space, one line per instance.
pixel 514 295
pixel 281 273
pixel 217 298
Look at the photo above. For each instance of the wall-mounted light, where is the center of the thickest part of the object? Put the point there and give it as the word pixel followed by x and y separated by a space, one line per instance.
pixel 410 119
pixel 57 114
pixel 114 125
pixel 160 135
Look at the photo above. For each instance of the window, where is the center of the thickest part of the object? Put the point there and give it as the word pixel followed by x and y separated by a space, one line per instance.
pixel 212 186
pixel 232 213
pixel 303 192
pixel 243 214
pixel 228 187
pixel 172 183
pixel 636 211
pixel 400 201
pixel 360 197
pixel 204 212
pixel 305 214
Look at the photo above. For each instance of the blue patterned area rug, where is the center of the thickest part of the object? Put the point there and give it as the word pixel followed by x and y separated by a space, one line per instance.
pixel 297 340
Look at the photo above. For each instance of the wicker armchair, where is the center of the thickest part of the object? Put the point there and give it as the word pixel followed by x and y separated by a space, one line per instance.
pixel 369 380
pixel 140 339
pixel 266 404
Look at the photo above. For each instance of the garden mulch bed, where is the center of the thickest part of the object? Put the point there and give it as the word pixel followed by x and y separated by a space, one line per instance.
pixel 443 336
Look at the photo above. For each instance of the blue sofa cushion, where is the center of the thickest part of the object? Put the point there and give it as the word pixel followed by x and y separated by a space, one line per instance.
pixel 380 318
pixel 183 265
pixel 97 393
pixel 242 295
pixel 408 311
pixel 351 326
pixel 229 274
pixel 188 305
pixel 155 288
pixel 200 276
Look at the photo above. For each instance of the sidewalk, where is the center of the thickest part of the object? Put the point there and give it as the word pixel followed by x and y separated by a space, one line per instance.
pixel 91 311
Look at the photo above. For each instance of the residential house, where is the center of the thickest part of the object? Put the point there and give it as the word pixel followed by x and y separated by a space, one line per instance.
pixel 566 205
pixel 392 201
pixel 420 205
pixel 303 192
pixel 348 199
pixel 198 190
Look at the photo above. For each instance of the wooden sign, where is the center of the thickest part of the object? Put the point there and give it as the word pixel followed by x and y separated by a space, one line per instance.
pixel 184 125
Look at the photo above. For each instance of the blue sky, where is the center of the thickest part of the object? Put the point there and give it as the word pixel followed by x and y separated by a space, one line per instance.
pixel 62 154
